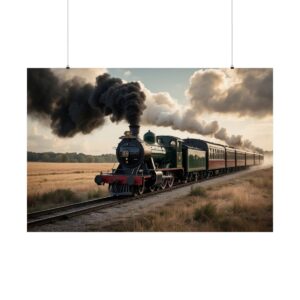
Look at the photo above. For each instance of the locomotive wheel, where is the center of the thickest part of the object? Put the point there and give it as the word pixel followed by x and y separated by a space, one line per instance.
pixel 170 182
pixel 163 184
pixel 151 188
pixel 196 177
pixel 184 180
pixel 140 189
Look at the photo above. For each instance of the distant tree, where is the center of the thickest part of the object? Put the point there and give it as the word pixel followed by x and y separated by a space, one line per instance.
pixel 65 157
pixel 69 157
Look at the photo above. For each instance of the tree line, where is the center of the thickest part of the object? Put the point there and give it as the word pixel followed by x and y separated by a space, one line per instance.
pixel 70 157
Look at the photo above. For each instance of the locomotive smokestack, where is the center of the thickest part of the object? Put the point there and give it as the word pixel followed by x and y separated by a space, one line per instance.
pixel 134 130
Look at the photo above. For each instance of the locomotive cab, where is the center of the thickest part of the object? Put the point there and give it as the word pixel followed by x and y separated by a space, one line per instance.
pixel 173 146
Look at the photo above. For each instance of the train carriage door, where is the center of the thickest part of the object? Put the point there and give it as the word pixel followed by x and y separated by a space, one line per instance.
pixel 179 154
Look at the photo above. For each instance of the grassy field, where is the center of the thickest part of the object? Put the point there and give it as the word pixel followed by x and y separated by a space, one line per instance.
pixel 52 184
pixel 243 204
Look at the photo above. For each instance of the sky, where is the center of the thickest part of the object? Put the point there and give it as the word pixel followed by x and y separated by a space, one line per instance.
pixel 240 101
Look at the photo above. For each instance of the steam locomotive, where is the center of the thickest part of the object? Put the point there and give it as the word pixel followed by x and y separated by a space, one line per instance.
pixel 157 162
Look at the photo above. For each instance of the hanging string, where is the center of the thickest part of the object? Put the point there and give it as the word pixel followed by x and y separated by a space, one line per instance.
pixel 232 67
pixel 68 33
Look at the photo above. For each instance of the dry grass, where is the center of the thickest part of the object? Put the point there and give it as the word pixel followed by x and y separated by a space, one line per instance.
pixel 198 191
pixel 79 177
pixel 44 179
pixel 243 204
pixel 51 199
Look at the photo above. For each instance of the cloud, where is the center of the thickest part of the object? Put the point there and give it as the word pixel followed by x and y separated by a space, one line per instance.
pixel 244 92
pixel 127 73
pixel 89 75
pixel 39 143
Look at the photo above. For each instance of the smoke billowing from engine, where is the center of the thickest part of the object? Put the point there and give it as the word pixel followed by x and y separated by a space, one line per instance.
pixel 74 106
pixel 163 110
pixel 235 140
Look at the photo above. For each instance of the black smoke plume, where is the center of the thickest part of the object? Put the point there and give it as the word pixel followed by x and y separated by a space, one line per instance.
pixel 74 106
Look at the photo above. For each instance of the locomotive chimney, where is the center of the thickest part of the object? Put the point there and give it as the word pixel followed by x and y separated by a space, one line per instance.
pixel 134 130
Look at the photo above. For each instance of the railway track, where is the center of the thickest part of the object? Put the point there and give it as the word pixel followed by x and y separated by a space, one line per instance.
pixel 64 212
pixel 68 211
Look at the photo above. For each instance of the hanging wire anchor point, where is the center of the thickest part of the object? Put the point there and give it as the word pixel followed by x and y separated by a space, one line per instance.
pixel 68 37
pixel 231 17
